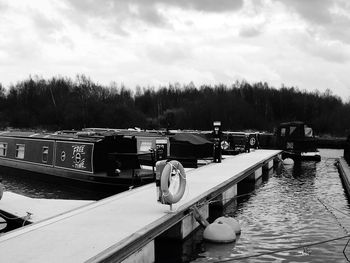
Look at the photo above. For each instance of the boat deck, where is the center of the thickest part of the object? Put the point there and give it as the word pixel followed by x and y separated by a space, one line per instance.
pixel 112 223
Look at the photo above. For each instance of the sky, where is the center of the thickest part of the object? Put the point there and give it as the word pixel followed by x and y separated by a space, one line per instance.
pixel 299 43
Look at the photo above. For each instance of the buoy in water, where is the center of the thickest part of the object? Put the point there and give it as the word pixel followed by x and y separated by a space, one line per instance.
pixel 219 232
pixel 233 223
pixel 288 161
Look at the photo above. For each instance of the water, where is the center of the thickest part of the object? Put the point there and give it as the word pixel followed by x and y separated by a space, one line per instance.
pixel 304 204
pixel 49 187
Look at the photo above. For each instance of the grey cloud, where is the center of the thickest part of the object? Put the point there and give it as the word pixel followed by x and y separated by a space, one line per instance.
pixel 332 51
pixel 3 6
pixel 206 5
pixel 148 9
pixel 320 14
pixel 250 31
pixel 168 53
pixel 317 11
pixel 332 54
pixel 151 15
pixel 46 25
pixel 118 12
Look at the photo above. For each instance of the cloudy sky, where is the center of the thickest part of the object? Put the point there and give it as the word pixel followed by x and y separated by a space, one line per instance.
pixel 301 43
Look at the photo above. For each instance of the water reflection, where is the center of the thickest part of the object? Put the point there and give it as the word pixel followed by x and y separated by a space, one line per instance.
pixel 40 186
pixel 304 204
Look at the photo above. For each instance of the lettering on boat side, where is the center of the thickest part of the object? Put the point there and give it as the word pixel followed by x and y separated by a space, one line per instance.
pixel 78 156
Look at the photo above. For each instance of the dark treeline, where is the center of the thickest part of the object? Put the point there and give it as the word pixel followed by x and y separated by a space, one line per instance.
pixel 63 103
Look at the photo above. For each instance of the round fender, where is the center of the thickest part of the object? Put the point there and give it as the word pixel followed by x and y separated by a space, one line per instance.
pixel 172 168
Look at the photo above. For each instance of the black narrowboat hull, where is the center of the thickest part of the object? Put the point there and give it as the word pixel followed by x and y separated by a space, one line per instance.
pixel 100 182
pixel 305 156
pixel 84 160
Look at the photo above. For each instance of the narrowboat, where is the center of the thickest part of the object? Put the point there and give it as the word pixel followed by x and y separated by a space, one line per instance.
pixel 237 142
pixel 103 158
pixel 297 141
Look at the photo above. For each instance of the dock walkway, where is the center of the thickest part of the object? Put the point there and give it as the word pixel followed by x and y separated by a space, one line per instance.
pixel 344 171
pixel 112 227
pixel 38 208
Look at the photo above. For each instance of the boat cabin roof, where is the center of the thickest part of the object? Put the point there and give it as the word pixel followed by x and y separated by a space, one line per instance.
pixel 294 129
pixel 127 132
pixel 86 135
pixel 292 123
pixel 59 135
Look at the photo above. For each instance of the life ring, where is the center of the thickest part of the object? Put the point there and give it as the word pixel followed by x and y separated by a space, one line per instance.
pixel 172 168
pixel 225 145
pixel 252 141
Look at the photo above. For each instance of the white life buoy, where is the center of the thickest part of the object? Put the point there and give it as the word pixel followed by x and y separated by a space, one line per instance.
pixel 172 174
pixel 252 141
pixel 225 145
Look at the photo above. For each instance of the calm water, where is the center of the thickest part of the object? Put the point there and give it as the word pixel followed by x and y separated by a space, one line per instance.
pixel 43 187
pixel 304 204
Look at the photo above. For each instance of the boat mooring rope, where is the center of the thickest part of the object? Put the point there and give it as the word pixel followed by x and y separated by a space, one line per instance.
pixel 13 218
pixel 333 215
pixel 337 220
pixel 24 218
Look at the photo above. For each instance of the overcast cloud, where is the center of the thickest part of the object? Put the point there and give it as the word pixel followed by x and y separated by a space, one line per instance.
pixel 305 44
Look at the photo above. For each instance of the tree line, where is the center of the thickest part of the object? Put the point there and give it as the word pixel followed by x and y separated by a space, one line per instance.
pixel 64 103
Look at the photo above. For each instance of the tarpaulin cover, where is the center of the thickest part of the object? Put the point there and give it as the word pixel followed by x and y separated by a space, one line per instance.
pixel 188 145
pixel 190 138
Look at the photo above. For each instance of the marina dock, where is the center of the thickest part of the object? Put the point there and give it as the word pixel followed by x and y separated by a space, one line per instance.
pixel 37 209
pixel 344 171
pixel 123 227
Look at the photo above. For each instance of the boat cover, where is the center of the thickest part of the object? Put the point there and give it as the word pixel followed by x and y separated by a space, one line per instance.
pixel 188 145
pixel 190 138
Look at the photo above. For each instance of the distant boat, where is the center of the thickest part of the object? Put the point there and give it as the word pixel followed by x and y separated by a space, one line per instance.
pixel 105 158
pixel 297 141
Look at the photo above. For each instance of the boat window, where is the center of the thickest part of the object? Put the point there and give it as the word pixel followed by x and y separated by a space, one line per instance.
pixel 308 131
pixel 291 129
pixel 3 149
pixel 45 154
pixel 145 146
pixel 20 151
pixel 283 132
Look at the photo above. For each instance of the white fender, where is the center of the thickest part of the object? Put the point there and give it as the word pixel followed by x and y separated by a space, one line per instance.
pixel 172 168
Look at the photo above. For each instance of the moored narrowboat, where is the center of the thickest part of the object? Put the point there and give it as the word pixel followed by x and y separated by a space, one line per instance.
pixel 297 141
pixel 104 158
pixel 238 142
